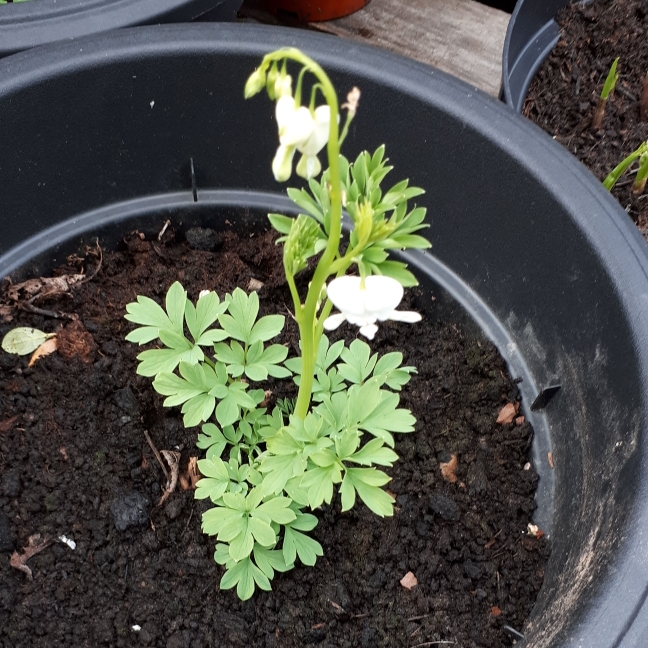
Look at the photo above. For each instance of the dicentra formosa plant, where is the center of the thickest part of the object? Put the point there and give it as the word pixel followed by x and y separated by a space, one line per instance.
pixel 264 470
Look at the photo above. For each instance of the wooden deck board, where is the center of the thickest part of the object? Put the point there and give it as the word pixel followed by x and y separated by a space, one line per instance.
pixel 461 37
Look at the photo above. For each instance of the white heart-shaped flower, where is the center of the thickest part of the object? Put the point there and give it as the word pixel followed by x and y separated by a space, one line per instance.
pixel 365 303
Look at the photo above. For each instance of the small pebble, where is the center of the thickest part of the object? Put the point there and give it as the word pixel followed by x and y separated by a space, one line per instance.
pixel 443 506
pixel 129 509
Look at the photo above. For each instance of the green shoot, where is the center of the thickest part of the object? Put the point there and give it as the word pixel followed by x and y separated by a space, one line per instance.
pixel 608 87
pixel 641 154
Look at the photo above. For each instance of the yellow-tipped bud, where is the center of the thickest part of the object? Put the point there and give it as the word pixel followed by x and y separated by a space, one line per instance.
pixel 363 222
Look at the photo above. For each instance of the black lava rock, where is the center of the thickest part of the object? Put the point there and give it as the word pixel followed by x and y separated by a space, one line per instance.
pixel 127 401
pixel 443 506
pixel 201 238
pixel 129 509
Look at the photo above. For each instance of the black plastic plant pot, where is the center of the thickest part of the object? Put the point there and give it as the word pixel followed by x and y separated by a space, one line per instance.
pixel 531 35
pixel 28 24
pixel 526 243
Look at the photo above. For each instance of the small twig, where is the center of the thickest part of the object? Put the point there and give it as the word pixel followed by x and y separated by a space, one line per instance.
pixel 157 455
pixel 433 643
pixel 28 306
pixel 158 251
pixel 164 229
pixel 173 459
pixel 189 520
pixel 418 618
pixel 96 270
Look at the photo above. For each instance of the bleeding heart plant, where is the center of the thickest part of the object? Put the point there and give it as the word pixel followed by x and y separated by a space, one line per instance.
pixel 264 470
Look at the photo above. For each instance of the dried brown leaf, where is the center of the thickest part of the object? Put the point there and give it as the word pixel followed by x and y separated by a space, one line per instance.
pixel 448 469
pixel 45 349
pixel 519 420
pixel 550 459
pixel 35 545
pixel 191 476
pixel 42 287
pixel 507 413
pixel 8 424
pixel 495 611
pixel 173 459
pixel 255 284
pixel 74 341
pixel 409 581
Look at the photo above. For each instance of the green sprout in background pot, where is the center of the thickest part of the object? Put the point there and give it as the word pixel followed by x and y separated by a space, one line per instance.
pixel 641 155
pixel 264 470
pixel 608 87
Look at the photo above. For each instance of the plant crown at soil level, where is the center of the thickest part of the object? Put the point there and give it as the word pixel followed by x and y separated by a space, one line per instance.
pixel 264 469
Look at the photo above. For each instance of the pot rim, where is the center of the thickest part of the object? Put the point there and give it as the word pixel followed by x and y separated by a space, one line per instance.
pixel 600 221
pixel 29 24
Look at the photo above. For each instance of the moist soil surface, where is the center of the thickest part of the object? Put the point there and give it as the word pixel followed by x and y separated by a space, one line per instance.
pixel 74 461
pixel 564 94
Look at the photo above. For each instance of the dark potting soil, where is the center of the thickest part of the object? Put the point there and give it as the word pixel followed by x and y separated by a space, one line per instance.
pixel 74 461
pixel 564 94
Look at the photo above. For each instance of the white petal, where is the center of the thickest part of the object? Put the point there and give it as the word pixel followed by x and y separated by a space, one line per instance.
pixel 282 163
pixel 361 320
pixel 320 134
pixel 297 130
pixel 346 295
pixel 333 321
pixel 382 295
pixel 284 110
pixel 405 316
pixel 369 330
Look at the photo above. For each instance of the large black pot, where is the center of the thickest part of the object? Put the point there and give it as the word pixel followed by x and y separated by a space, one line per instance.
pixel 525 240
pixel 28 24
pixel 531 35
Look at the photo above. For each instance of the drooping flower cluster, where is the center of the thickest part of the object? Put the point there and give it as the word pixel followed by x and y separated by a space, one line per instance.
pixel 363 302
pixel 300 129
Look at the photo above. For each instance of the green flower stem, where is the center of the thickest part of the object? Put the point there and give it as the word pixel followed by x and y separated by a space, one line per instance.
pixel 306 315
pixel 294 292
pixel 345 129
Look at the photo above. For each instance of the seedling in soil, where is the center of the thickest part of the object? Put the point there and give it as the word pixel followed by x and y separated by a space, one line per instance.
pixel 265 469
pixel 642 174
pixel 608 87
pixel 639 185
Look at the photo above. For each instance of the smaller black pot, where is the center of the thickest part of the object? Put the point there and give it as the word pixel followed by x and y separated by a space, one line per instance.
pixel 530 37
pixel 29 24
